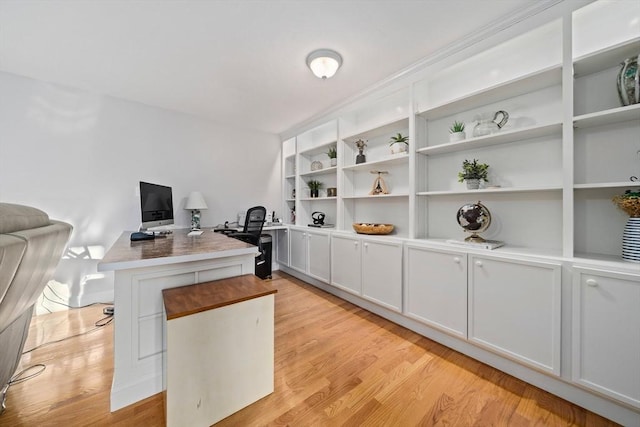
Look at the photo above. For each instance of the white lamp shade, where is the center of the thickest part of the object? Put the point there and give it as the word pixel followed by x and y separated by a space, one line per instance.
pixel 324 63
pixel 195 201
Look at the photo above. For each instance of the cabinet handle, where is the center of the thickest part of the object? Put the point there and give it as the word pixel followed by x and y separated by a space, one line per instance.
pixel 479 263
pixel 355 244
pixel 592 282
pixel 456 259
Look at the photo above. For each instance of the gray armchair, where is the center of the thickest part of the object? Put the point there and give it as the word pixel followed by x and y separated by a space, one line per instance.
pixel 31 245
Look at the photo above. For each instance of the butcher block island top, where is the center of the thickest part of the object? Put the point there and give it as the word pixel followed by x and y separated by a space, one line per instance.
pixel 192 299
pixel 174 248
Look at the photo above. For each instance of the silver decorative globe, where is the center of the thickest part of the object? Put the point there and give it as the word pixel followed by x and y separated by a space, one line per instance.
pixel 474 218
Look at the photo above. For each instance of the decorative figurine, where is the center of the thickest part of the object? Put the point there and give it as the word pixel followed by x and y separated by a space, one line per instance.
pixel 379 186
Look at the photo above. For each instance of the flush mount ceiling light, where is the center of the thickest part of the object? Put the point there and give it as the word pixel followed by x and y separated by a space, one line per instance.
pixel 324 63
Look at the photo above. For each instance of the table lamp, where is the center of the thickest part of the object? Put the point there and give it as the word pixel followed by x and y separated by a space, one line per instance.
pixel 195 202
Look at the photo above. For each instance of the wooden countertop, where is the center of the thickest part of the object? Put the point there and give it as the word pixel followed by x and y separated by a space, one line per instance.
pixel 192 299
pixel 175 248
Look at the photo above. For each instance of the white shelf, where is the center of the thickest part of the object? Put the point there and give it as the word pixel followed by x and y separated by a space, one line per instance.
pixel 528 83
pixel 290 177
pixel 389 160
pixel 325 171
pixel 379 196
pixel 507 249
pixel 605 58
pixel 607 117
pixel 290 200
pixel 610 261
pixel 312 199
pixel 494 139
pixel 377 131
pixel 490 190
pixel 321 149
pixel 621 184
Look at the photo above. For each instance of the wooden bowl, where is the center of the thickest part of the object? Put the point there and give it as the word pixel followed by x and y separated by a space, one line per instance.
pixel 365 228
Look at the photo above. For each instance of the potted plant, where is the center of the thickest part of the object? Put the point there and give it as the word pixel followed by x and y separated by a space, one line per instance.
pixel 630 203
pixel 456 132
pixel 472 173
pixel 314 186
pixel 399 143
pixel 333 155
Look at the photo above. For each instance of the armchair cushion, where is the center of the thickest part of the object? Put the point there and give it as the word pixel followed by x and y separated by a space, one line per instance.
pixel 18 217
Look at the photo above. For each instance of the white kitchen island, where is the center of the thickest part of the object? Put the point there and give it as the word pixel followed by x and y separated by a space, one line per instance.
pixel 141 271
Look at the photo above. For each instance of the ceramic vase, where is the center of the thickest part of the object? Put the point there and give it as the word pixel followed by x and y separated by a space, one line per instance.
pixel 457 136
pixel 472 184
pixel 629 82
pixel 631 240
pixel 398 148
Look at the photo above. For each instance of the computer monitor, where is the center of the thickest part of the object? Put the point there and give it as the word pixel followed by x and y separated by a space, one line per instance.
pixel 156 205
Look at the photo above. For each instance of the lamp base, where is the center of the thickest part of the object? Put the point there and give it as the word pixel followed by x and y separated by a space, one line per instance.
pixel 195 220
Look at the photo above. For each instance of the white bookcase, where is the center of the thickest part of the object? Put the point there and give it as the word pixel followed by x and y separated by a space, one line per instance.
pixel 566 150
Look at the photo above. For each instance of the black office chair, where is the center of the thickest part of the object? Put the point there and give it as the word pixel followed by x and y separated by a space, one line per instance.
pixel 252 230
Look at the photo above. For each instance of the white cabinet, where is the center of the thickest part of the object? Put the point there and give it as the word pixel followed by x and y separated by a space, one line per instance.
pixel 369 268
pixel 606 333
pixel 319 261
pixel 382 273
pixel 436 288
pixel 298 250
pixel 309 253
pixel 345 263
pixel 514 309
pixel 282 252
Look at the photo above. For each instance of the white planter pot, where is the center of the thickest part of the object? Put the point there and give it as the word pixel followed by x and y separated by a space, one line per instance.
pixel 334 161
pixel 473 184
pixel 457 136
pixel 398 148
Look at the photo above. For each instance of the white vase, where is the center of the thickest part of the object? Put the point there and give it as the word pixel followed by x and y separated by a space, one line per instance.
pixel 472 184
pixel 398 147
pixel 457 136
pixel 334 161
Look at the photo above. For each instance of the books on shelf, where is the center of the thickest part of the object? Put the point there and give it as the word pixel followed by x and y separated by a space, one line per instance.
pixel 487 244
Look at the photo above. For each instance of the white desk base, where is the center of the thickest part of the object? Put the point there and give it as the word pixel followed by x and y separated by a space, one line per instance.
pixel 219 361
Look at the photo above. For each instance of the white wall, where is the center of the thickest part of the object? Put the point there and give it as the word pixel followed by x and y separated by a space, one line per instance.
pixel 79 157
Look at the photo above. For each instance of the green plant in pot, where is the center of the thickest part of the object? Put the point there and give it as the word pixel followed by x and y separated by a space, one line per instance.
pixel 456 132
pixel 473 172
pixel 333 155
pixel 314 186
pixel 399 143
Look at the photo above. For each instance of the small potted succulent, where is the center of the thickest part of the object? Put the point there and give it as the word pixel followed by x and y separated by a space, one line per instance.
pixel 314 186
pixel 473 172
pixel 456 132
pixel 333 155
pixel 399 143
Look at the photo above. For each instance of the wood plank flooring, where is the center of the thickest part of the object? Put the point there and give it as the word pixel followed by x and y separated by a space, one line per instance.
pixel 335 365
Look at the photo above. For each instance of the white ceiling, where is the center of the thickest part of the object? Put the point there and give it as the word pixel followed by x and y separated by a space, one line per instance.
pixel 241 63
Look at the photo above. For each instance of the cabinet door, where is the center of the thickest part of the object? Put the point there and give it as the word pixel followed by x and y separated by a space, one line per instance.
pixel 436 291
pixel 319 261
pixel 298 250
pixel 382 273
pixel 514 309
pixel 283 247
pixel 345 263
pixel 606 333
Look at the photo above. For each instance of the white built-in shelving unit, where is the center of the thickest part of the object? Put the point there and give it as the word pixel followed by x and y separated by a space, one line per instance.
pixel 568 148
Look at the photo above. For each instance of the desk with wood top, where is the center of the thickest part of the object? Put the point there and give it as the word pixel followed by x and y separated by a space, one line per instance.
pixel 141 271
pixel 220 348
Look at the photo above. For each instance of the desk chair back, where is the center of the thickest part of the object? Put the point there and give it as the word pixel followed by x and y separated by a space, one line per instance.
pixel 254 221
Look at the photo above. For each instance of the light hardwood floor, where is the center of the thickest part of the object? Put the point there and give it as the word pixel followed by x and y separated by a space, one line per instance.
pixel 335 364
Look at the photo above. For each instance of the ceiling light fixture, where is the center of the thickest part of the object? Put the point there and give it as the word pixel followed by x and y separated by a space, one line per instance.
pixel 324 63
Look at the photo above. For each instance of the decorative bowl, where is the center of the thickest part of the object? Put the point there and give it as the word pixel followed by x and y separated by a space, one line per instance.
pixel 367 228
